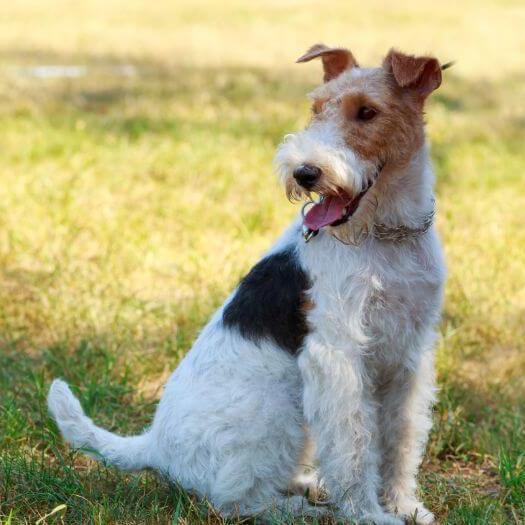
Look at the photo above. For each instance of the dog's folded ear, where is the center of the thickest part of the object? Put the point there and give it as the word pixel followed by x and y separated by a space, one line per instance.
pixel 421 74
pixel 335 59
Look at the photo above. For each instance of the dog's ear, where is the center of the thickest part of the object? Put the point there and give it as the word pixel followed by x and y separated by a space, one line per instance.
pixel 335 59
pixel 421 74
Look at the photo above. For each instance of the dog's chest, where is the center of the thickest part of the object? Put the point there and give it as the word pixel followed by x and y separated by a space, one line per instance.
pixel 376 296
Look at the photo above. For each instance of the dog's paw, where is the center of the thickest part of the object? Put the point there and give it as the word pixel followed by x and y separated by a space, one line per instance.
pixel 309 485
pixel 413 511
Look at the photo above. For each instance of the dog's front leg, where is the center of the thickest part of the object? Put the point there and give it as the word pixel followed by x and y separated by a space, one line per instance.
pixel 342 417
pixel 405 401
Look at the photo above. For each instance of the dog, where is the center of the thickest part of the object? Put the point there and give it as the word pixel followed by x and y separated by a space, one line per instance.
pixel 324 352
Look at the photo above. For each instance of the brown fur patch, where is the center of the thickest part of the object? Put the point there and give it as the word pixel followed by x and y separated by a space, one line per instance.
pixel 335 59
pixel 307 304
pixel 395 133
pixel 422 74
pixel 318 106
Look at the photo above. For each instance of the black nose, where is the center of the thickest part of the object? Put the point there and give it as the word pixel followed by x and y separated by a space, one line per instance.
pixel 307 175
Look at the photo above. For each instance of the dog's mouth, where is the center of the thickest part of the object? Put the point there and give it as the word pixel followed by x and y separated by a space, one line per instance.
pixel 335 209
pixel 332 210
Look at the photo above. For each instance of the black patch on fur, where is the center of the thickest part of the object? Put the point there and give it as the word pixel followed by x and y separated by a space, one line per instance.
pixel 270 302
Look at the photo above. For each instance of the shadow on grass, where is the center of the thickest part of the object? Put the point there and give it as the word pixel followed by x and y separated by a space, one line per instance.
pixel 154 98
pixel 37 473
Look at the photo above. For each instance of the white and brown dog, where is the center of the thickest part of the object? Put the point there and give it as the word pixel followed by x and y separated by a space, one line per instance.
pixel 330 335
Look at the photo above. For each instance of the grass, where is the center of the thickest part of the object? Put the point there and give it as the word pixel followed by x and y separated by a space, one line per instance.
pixel 133 199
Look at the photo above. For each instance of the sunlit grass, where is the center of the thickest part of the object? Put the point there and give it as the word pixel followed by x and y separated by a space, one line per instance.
pixel 130 205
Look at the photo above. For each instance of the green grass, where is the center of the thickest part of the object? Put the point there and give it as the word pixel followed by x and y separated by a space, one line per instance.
pixel 130 206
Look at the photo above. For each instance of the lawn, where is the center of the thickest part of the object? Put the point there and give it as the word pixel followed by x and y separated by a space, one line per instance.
pixel 138 188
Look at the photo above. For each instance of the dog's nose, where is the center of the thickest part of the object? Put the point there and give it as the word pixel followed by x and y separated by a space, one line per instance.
pixel 307 175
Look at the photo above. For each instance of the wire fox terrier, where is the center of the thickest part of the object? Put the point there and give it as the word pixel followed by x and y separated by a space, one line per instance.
pixel 328 339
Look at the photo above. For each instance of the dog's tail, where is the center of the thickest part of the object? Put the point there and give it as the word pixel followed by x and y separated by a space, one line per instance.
pixel 127 453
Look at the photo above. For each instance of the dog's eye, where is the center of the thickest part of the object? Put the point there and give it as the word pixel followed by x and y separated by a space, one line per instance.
pixel 366 113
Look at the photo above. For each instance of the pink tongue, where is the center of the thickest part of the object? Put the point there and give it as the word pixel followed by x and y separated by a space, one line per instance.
pixel 331 209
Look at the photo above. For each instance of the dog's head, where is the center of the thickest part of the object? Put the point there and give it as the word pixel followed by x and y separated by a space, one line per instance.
pixel 364 121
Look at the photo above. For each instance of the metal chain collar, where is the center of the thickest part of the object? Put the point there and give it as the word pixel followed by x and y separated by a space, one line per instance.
pixel 402 232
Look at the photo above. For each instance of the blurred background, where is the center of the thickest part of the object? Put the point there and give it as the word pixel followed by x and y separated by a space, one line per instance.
pixel 136 144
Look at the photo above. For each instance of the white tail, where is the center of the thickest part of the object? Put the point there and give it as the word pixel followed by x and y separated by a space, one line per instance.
pixel 127 453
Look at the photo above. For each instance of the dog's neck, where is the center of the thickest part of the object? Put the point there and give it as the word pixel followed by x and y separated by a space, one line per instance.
pixel 407 197
pixel 399 206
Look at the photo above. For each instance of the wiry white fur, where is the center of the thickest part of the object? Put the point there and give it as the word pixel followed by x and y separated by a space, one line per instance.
pixel 230 425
